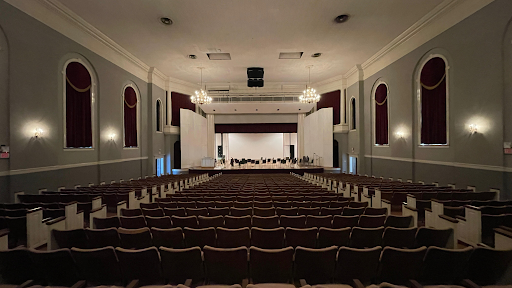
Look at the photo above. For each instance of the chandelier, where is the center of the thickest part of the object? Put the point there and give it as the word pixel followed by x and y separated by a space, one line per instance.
pixel 201 97
pixel 309 95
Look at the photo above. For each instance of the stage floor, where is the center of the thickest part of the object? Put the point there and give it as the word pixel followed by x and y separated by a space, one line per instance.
pixel 256 170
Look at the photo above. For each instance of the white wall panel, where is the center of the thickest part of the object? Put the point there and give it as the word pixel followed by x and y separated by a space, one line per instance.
pixel 318 136
pixel 255 145
pixel 193 134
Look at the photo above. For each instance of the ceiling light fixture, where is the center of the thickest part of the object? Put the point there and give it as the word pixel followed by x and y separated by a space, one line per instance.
pixel 309 95
pixel 192 56
pixel 166 21
pixel 201 97
pixel 316 55
pixel 341 18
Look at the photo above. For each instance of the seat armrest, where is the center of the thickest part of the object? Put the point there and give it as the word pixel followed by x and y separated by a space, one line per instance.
pixel 188 282
pixel 448 218
pixel 303 282
pixel 410 208
pixel 484 245
pixel 357 283
pixel 121 202
pixel 26 284
pixel 428 209
pixel 133 284
pixel 458 217
pixel 414 284
pixel 79 284
pixel 469 284
pixel 386 201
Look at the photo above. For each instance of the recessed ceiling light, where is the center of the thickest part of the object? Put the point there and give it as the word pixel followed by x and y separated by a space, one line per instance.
pixel 341 18
pixel 299 109
pixel 214 110
pixel 256 109
pixel 316 55
pixel 166 21
pixel 192 56
pixel 278 109
pixel 235 109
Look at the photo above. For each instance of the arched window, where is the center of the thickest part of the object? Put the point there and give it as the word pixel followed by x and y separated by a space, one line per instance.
pixel 158 115
pixel 433 99
pixel 353 114
pixel 130 116
pixel 381 114
pixel 78 103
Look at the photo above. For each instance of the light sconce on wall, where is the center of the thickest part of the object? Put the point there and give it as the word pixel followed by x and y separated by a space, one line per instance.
pixel 473 128
pixel 38 133
pixel 400 135
pixel 112 136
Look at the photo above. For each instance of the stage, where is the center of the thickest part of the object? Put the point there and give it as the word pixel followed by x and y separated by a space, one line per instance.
pixel 255 170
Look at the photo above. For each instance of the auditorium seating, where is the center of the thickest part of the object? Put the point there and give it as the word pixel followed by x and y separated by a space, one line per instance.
pixel 269 238
pixel 229 266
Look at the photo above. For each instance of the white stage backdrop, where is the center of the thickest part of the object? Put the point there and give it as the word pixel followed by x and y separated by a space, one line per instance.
pixel 318 136
pixel 193 133
pixel 255 145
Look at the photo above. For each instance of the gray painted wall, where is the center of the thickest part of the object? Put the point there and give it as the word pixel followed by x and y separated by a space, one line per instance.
pixel 475 52
pixel 31 96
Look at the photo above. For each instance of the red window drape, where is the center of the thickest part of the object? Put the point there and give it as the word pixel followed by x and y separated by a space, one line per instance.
pixel 130 117
pixel 78 106
pixel 331 99
pixel 433 102
pixel 381 115
pixel 178 101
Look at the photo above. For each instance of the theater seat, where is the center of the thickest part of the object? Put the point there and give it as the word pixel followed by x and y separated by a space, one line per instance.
pixel 232 238
pixel 17 266
pixel 366 237
pixel 234 222
pixel 315 266
pixel 98 266
pixel 170 238
pixel 70 238
pixel 56 267
pixel 305 237
pixel 292 221
pixel 200 237
pixel 225 266
pixel 361 264
pixel 271 266
pixel 267 238
pixel 135 238
pixel 142 265
pixel 399 237
pixel 178 265
pixel 444 266
pixel 99 238
pixel 398 266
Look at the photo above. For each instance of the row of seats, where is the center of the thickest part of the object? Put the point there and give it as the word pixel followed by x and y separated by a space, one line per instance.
pixel 233 211
pixel 283 267
pixel 233 222
pixel 267 204
pixel 356 237
pixel 260 197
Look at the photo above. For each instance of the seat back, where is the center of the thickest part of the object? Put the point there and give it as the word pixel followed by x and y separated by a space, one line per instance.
pixel 486 266
pixel 264 212
pixel 399 221
pixel 309 211
pixel 171 238
pixel 98 266
pixel 142 265
pixel 149 206
pixel 98 238
pixel 157 212
pixel 182 222
pixel 159 222
pixel 319 221
pixel 131 212
pixel 135 238
pixel 62 270
pixel 271 265
pixel 328 237
pixel 234 222
pixel 316 266
pixel 212 221
pixel 200 237
pixel 352 211
pixel 375 211
pixel 331 211
pixel 433 237
pixel 218 211
pixel 70 238
pixel 267 238
pixel 399 237
pixel 226 265
pixel 292 221
pixel 178 265
pixel 359 264
pixel 305 237
pixel 197 211
pixel 180 212
pixel 398 266
pixel 445 266
pixel 16 266
pixel 232 238
pixel 133 222
pixel 371 221
pixel 265 222
pixel 366 237
pixel 344 221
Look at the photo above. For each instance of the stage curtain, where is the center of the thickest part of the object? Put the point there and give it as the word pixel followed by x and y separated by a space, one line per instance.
pixel 381 115
pixel 433 102
pixel 178 101
pixel 78 106
pixel 130 117
pixel 257 128
pixel 331 99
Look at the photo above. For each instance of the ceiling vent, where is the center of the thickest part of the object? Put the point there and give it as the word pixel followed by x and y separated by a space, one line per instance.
pixel 255 72
pixel 255 83
pixel 290 55
pixel 219 56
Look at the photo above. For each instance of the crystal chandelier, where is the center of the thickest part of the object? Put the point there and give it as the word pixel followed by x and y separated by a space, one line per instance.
pixel 309 95
pixel 201 97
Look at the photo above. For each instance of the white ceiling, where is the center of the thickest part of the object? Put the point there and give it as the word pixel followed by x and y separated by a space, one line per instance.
pixel 254 32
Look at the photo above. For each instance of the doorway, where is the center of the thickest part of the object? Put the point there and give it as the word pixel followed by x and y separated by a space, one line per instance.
pixel 352 165
pixel 335 154
pixel 177 155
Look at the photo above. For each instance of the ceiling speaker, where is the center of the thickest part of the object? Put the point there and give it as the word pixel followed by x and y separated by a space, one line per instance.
pixel 255 83
pixel 255 72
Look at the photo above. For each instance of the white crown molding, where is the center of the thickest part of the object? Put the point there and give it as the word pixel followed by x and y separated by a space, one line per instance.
pixel 67 166
pixel 57 16
pixel 445 163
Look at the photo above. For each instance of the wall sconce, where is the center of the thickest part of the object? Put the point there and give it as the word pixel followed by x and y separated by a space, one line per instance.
pixel 400 135
pixel 38 133
pixel 473 128
pixel 112 136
